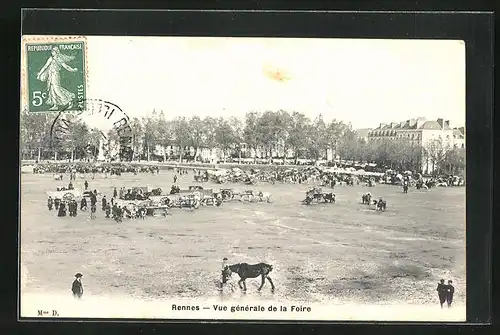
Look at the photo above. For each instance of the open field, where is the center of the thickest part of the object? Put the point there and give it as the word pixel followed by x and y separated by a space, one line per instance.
pixel 343 252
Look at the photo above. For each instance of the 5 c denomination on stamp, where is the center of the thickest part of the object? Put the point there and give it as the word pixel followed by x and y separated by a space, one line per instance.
pixel 55 75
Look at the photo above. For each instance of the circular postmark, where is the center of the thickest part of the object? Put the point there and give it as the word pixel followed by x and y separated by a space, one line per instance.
pixel 101 118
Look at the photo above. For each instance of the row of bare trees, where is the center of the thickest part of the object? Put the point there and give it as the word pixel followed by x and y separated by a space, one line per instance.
pixel 276 134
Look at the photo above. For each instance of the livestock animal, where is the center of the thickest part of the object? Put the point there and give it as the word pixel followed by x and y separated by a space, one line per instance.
pixel 264 196
pixel 380 205
pixel 156 191
pixel 308 200
pixel 248 194
pixel 246 271
pixel 315 193
pixel 175 189
pixel 329 197
pixel 141 213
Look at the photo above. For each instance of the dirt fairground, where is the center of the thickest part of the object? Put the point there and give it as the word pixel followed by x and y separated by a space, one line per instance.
pixel 343 252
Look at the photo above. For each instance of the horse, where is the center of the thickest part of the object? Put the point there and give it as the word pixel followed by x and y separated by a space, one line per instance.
pixel 315 194
pixel 381 205
pixel 248 193
pixel 246 271
pixel 141 213
pixel 308 200
pixel 264 195
pixel 366 199
pixel 329 197
pixel 175 189
pixel 156 191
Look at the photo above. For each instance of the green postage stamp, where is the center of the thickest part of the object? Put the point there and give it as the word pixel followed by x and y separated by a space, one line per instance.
pixel 55 75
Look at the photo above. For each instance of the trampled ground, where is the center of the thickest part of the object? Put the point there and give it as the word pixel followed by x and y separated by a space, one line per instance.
pixel 341 252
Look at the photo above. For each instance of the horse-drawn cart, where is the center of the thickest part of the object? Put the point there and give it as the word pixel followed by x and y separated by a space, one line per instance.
pixel 209 198
pixel 316 193
pixel 184 200
pixel 158 205
pixel 66 195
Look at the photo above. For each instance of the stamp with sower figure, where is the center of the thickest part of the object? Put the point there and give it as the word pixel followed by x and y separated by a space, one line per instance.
pixel 55 75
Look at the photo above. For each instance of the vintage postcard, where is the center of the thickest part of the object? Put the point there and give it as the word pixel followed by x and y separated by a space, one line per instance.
pixel 242 178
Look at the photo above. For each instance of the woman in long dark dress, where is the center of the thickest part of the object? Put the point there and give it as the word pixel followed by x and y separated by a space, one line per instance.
pixel 62 209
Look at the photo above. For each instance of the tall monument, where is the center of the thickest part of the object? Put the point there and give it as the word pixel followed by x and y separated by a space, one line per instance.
pixel 100 155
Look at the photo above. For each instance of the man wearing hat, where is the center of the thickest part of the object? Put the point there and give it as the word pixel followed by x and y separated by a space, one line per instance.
pixel 223 277
pixel 77 286
pixel 441 289
pixel 450 290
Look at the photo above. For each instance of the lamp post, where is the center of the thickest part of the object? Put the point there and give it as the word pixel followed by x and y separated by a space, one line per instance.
pixel 39 150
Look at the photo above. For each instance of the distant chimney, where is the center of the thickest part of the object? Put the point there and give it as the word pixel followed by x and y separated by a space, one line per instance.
pixel 440 121
pixel 413 122
pixel 393 125
pixel 420 122
pixel 447 123
pixel 382 125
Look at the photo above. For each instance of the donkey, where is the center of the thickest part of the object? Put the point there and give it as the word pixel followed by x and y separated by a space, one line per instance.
pixel 246 271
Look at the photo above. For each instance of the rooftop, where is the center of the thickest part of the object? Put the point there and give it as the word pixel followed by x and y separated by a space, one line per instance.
pixel 418 123
pixel 363 132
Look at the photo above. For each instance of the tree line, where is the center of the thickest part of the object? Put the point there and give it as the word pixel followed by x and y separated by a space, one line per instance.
pixel 275 133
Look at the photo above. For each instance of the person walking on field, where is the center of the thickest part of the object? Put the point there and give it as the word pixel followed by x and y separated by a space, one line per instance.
pixel 77 287
pixel 441 289
pixel 104 202
pixel 450 290
pixel 93 209
pixel 86 184
pixel 50 203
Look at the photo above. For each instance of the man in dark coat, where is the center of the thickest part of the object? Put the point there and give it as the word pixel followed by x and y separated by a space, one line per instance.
pixel 50 203
pixel 57 202
pixel 77 287
pixel 441 289
pixel 104 202
pixel 73 208
pixel 450 290
pixel 86 184
pixel 93 209
pixel 115 193
pixel 83 204
pixel 108 211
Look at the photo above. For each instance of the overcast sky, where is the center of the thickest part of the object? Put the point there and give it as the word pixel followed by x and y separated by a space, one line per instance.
pixel 364 82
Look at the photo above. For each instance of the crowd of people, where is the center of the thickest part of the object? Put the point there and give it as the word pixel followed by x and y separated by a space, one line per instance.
pixel 93 169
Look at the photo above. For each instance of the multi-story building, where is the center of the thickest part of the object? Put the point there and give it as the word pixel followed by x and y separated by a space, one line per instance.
pixel 363 133
pixel 421 132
